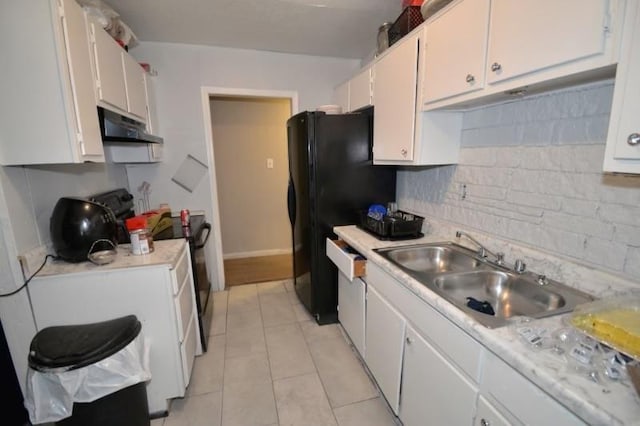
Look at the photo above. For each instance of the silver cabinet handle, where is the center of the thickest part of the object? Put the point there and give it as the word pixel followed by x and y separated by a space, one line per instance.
pixel 484 422
pixel 496 67
pixel 409 340
pixel 470 78
pixel 633 139
pixel 403 152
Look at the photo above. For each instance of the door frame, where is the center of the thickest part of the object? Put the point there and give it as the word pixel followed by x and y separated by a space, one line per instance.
pixel 206 93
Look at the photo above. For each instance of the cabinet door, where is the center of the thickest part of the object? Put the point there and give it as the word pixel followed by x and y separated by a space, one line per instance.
pixel 434 392
pixel 341 96
pixel 384 339
pixel 360 90
pixel 488 415
pixel 76 39
pixel 135 87
pixel 524 400
pixel 454 59
pixel 394 99
pixel 351 302
pixel 108 67
pixel 623 141
pixel 529 35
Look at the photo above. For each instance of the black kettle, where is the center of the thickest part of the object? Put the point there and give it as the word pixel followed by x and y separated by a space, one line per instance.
pixel 76 224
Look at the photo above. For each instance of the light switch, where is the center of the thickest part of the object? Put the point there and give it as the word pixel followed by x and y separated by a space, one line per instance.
pixel 269 163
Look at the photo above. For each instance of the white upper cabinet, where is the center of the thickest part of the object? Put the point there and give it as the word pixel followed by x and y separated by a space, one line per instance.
pixel 623 142
pixel 530 35
pixel 48 111
pixel 395 82
pixel 355 93
pixel 360 94
pixel 110 81
pixel 135 86
pixel 523 45
pixel 341 96
pixel 455 51
pixel 120 81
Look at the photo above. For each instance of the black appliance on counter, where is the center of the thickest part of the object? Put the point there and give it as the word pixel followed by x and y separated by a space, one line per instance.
pixel 78 226
pixel 331 178
pixel 120 201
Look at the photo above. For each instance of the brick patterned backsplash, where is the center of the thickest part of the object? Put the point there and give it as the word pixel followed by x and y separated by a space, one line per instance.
pixel 530 174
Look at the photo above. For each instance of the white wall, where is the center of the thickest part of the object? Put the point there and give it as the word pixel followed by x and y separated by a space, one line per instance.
pixel 533 175
pixel 184 69
pixel 27 198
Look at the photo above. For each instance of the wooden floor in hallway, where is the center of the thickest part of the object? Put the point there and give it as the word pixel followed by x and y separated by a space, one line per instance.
pixel 250 270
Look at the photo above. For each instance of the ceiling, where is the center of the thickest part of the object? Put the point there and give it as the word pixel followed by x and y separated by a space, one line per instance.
pixel 339 28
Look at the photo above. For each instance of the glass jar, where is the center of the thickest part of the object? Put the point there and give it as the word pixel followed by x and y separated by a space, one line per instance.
pixel 383 37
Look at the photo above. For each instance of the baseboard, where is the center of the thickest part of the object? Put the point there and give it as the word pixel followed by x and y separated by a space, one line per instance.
pixel 258 253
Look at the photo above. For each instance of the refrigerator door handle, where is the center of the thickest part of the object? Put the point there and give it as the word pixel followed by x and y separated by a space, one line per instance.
pixel 291 202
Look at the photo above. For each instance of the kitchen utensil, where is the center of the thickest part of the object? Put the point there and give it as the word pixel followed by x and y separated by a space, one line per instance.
pixel 75 226
pixel 102 257
pixel 145 189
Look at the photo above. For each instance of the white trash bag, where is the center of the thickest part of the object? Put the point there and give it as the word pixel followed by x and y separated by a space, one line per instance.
pixel 50 395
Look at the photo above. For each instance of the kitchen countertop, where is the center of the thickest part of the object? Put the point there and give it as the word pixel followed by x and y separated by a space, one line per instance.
pixel 165 253
pixel 607 403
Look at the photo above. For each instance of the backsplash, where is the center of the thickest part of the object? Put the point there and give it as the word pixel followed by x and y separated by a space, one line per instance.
pixel 530 174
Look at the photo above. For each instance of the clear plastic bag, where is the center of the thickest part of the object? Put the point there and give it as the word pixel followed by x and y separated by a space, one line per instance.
pixel 50 395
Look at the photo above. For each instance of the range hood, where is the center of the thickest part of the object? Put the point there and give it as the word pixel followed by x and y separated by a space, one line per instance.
pixel 119 129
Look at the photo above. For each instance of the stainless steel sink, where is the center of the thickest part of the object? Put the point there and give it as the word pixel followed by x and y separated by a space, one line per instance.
pixel 457 274
pixel 433 259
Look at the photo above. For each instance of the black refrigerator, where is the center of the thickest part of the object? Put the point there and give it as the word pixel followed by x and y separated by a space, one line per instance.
pixel 331 179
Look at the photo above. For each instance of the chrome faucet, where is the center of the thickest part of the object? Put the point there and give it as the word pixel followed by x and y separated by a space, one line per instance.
pixel 482 250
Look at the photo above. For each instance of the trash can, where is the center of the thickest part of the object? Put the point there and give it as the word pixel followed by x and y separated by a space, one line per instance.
pixel 89 374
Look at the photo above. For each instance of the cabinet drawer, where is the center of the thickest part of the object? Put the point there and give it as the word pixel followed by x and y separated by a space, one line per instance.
pixel 188 351
pixel 184 307
pixel 180 271
pixel 519 397
pixel 352 265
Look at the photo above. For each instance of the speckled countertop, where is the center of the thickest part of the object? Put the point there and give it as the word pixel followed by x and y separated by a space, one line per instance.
pixel 602 404
pixel 165 252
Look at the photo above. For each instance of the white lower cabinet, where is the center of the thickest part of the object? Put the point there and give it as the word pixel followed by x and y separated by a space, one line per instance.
pixel 488 415
pixel 433 390
pixel 521 399
pixel 351 311
pixel 161 297
pixel 384 336
pixel 430 370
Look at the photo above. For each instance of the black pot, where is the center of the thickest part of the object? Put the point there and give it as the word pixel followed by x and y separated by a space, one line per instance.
pixel 76 224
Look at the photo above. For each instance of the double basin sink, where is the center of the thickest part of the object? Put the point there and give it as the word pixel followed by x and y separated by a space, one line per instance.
pixel 489 292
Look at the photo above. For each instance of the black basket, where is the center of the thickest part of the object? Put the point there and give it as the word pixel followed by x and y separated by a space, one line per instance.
pixel 409 19
pixel 402 225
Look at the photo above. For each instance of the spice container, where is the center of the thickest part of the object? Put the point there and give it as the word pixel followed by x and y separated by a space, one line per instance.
pixel 141 239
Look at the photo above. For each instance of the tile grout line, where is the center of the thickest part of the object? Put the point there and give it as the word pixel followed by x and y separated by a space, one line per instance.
pixel 273 390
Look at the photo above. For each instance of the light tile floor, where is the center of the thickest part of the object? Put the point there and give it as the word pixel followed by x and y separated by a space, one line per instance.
pixel 269 364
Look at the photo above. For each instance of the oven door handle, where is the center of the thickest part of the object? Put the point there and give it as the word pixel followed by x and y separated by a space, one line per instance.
pixel 204 226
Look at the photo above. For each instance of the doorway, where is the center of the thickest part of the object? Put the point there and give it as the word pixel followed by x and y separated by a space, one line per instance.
pixel 250 171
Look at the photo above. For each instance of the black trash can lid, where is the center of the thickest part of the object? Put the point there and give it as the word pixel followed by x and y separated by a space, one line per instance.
pixel 76 346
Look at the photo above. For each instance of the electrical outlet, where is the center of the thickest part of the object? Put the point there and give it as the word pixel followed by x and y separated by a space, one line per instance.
pixel 269 163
